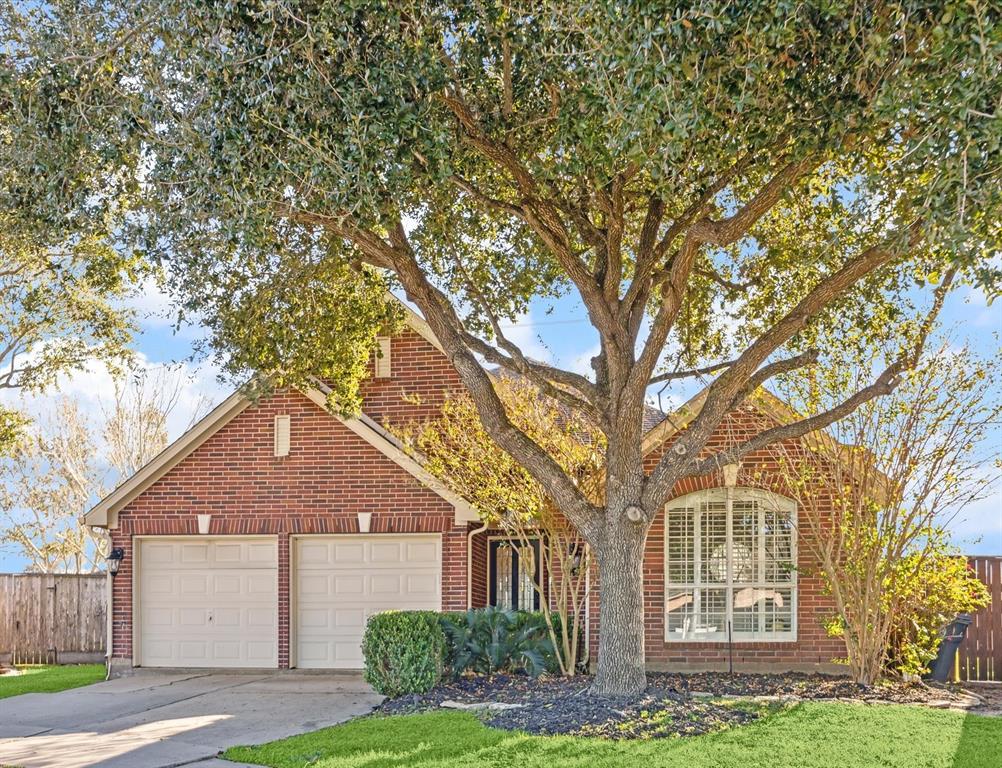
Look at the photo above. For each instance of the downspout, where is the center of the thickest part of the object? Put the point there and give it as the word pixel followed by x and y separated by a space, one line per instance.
pixel 587 609
pixel 110 639
pixel 469 563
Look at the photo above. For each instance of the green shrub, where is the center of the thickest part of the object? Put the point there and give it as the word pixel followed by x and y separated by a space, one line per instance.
pixel 404 651
pixel 491 640
pixel 939 585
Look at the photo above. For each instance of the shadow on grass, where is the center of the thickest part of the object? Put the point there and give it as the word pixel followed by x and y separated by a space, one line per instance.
pixel 979 745
pixel 822 735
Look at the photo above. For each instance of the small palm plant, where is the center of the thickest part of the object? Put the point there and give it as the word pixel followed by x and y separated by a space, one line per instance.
pixel 492 640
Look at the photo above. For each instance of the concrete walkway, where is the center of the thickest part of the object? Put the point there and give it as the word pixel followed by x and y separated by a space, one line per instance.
pixel 162 720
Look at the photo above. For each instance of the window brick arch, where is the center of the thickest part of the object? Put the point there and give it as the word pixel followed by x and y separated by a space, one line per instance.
pixel 730 566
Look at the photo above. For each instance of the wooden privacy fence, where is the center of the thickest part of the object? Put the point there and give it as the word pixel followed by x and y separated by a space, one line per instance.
pixel 52 618
pixel 980 655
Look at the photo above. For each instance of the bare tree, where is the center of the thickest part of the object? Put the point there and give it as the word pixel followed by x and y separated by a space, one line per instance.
pixel 66 461
pixel 877 494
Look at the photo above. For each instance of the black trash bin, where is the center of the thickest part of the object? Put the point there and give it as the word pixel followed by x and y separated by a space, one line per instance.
pixel 952 638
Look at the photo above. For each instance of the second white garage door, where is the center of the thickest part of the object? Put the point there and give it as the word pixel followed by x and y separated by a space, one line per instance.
pixel 342 580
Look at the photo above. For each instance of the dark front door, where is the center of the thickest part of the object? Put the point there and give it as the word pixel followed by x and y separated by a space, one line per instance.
pixel 513 567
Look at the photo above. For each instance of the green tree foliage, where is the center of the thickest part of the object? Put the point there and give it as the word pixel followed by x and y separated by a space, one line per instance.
pixel 791 170
pixel 937 585
pixel 61 281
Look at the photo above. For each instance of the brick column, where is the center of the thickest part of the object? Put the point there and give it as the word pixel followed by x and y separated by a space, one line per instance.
pixel 283 600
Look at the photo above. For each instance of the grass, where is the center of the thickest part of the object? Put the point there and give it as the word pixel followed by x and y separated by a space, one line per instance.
pixel 49 679
pixel 809 735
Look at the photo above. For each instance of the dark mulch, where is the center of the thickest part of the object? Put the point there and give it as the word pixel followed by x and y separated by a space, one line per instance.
pixel 554 705
pixel 802 686
pixel 990 695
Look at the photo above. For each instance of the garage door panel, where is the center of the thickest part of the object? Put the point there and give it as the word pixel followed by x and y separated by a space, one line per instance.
pixel 347 585
pixel 312 585
pixel 193 585
pixel 313 653
pixel 312 553
pixel 261 652
pixel 261 584
pixel 226 584
pixel 347 553
pixel 209 603
pixel 387 552
pixel 424 584
pixel 192 617
pixel 349 619
pixel 342 581
pixel 422 553
pixel 385 584
pixel 194 554
pixel 157 553
pixel 314 619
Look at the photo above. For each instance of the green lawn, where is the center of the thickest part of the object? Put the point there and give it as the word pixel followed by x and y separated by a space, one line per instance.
pixel 806 736
pixel 48 679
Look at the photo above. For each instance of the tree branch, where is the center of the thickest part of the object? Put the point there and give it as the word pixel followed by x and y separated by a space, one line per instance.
pixel 766 372
pixel 491 202
pixel 727 231
pixel 448 329
pixel 541 214
pixel 704 371
pixel 722 392
pixel 884 384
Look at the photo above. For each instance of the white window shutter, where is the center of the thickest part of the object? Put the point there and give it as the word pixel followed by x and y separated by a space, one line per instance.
pixel 283 435
pixel 384 368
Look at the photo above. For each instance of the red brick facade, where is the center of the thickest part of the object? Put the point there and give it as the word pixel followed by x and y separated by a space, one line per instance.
pixel 812 648
pixel 331 474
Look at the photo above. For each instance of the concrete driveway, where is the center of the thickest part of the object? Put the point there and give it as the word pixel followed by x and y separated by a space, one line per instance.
pixel 156 720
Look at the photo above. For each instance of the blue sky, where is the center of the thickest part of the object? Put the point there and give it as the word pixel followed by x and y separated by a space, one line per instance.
pixel 558 333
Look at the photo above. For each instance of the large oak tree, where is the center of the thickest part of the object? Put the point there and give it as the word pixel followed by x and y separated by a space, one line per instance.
pixel 725 187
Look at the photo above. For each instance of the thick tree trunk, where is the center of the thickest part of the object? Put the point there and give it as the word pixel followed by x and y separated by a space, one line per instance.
pixel 621 670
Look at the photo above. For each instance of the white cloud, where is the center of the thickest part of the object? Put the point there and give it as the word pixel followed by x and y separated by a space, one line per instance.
pixel 152 304
pixel 524 335
pixel 978 529
pixel 581 363
pixel 93 388
pixel 978 312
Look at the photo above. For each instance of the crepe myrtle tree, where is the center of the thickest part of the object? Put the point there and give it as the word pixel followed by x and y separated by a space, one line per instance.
pixel 719 185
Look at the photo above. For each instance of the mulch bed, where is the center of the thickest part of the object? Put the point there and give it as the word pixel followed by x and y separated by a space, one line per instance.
pixel 990 695
pixel 556 705
pixel 673 704
pixel 803 686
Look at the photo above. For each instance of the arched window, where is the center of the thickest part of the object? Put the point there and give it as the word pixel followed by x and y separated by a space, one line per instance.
pixel 730 561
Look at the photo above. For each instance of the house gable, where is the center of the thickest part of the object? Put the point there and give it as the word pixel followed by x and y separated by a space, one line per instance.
pixel 421 377
pixel 331 469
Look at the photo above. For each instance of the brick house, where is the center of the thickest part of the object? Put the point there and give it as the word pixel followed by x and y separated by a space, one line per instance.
pixel 268 533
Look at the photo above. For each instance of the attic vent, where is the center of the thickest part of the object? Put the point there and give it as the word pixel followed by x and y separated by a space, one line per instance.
pixel 384 369
pixel 283 431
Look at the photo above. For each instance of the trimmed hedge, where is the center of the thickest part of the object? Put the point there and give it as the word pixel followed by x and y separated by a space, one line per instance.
pixel 404 651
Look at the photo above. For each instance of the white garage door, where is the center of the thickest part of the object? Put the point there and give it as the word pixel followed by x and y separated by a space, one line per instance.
pixel 342 580
pixel 208 602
